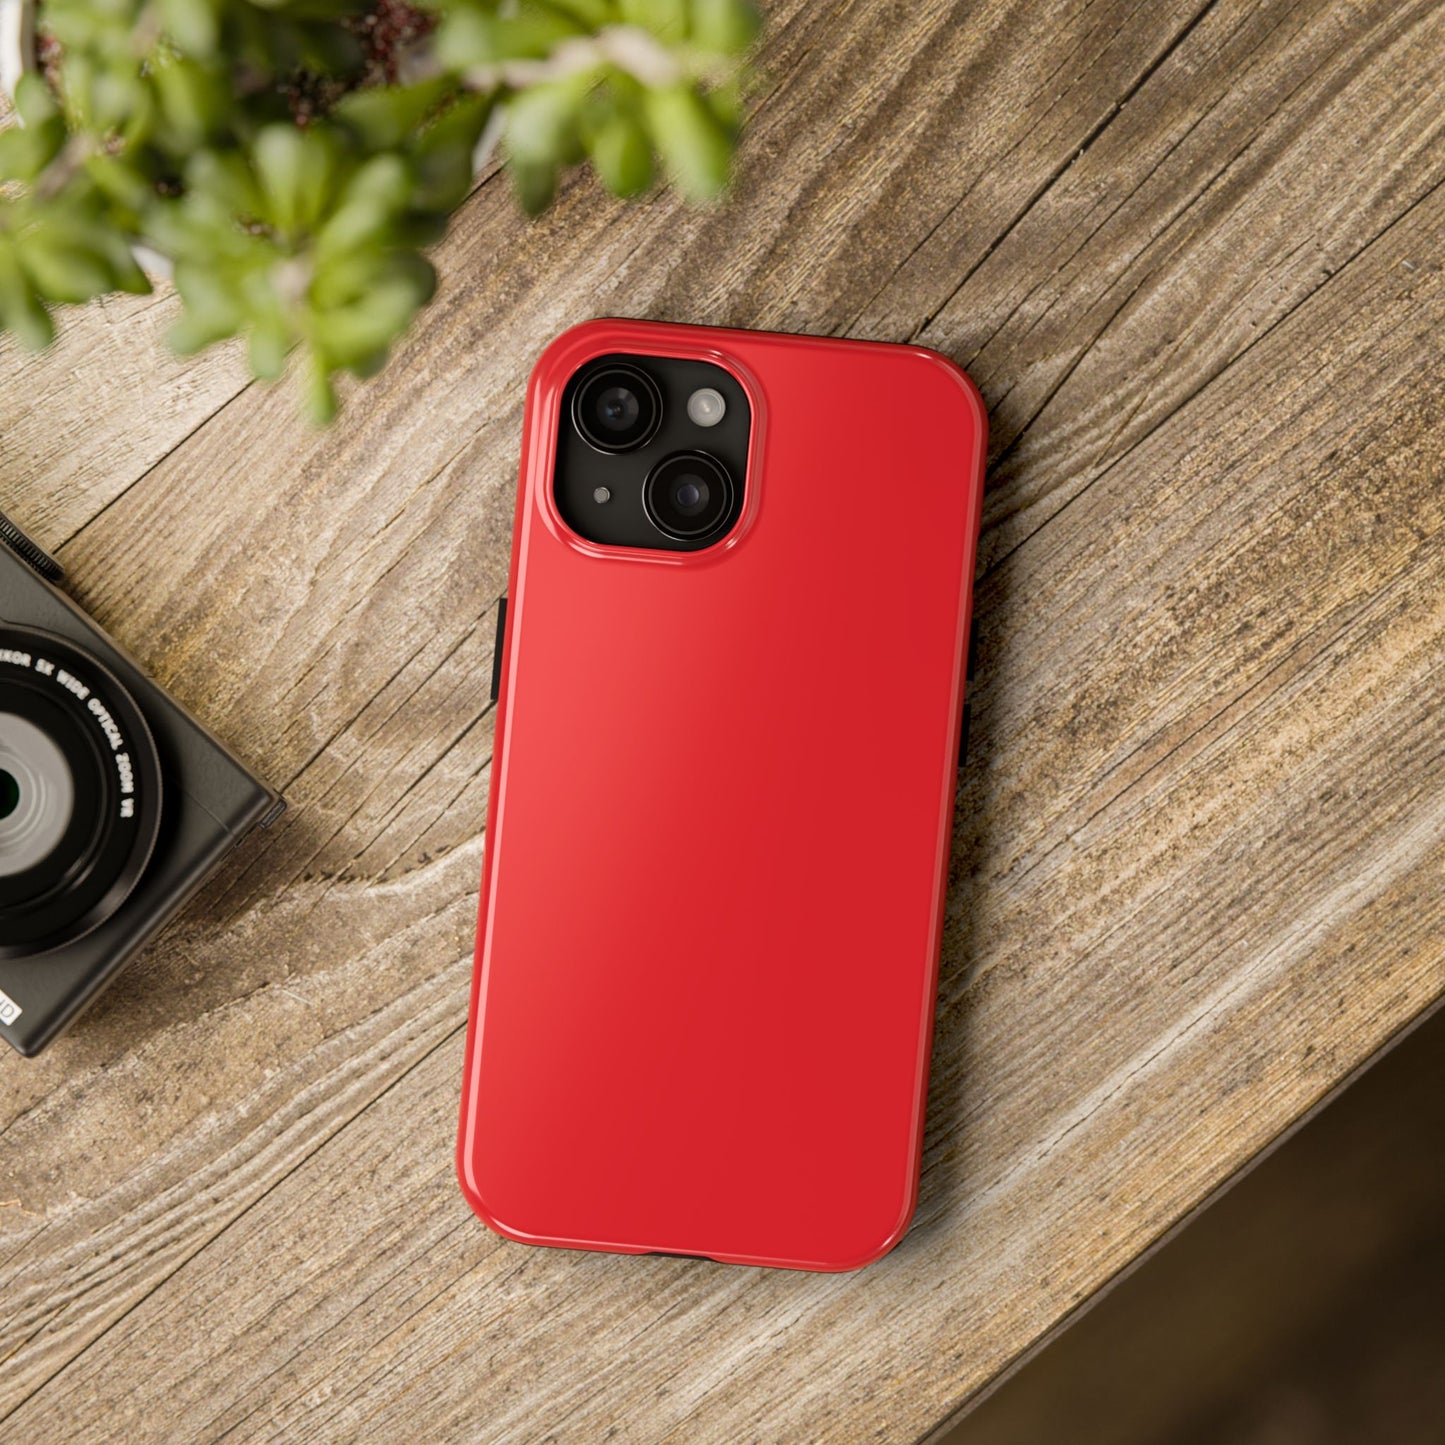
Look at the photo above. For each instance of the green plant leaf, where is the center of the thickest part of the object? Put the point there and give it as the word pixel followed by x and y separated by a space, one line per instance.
pixel 25 150
pixel 190 103
pixel 385 117
pixel 191 334
pixel 725 101
pixel 269 344
pixel 585 14
pixel 62 272
pixel 373 200
pixel 724 27
pixel 125 272
pixel 297 170
pixel 212 308
pixel 192 24
pixel 352 337
pixel 320 393
pixel 227 178
pixel 465 38
pixel 535 183
pixel 622 154
pixel 475 35
pixel 666 18
pixel 542 121
pixel 119 182
pixel 443 154
pixel 33 101
pixel 21 310
pixel 115 97
pixel 693 144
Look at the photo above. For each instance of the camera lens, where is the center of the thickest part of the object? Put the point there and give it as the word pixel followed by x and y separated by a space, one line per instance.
pixel 688 495
pixel 80 793
pixel 37 795
pixel 617 408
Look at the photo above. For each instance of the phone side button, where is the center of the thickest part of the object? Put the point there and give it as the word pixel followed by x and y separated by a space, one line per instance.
pixel 963 734
pixel 497 648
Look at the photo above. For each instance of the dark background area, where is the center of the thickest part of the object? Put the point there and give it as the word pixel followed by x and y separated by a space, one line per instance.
pixel 1306 1306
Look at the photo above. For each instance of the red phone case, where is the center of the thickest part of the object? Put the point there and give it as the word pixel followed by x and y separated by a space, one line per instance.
pixel 721 806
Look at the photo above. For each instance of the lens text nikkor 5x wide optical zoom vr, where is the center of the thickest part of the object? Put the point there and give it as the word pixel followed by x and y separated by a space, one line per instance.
pixel 80 793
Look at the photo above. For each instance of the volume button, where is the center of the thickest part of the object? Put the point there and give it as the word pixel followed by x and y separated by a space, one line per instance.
pixel 497 648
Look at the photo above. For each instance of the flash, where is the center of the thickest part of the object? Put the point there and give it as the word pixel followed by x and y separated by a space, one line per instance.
pixel 601 494
pixel 706 407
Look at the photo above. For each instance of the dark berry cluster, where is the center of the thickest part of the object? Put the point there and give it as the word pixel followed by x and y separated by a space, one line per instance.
pixel 386 30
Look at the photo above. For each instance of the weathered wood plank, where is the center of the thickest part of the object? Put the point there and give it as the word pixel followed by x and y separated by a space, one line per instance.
pixel 1197 862
pixel 101 407
pixel 1179 239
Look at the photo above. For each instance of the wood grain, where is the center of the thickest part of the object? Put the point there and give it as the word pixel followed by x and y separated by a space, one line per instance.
pixel 1192 254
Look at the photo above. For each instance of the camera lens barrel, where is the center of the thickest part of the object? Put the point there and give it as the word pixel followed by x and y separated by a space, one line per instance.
pixel 80 793
pixel 688 495
pixel 617 408
pixel 37 794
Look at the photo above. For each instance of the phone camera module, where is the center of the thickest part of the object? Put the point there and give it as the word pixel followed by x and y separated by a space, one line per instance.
pixel 651 451
pixel 617 408
pixel 688 495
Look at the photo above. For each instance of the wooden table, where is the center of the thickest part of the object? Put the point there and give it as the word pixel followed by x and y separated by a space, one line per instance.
pixel 1192 252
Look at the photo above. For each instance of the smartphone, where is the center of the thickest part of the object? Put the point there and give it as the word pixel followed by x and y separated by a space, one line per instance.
pixel 730 694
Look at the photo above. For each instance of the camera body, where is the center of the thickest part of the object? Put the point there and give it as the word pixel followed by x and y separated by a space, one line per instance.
pixel 115 804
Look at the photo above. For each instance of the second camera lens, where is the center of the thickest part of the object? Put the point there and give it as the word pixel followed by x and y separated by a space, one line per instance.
pixel 617 408
pixel 688 495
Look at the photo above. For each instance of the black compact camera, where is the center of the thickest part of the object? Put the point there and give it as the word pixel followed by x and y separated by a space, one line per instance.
pixel 115 805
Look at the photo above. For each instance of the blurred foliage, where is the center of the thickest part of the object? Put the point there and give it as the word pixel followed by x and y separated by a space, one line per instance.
pixel 294 158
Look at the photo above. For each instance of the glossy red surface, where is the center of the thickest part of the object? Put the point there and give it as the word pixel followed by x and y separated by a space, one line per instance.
pixel 703 1002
